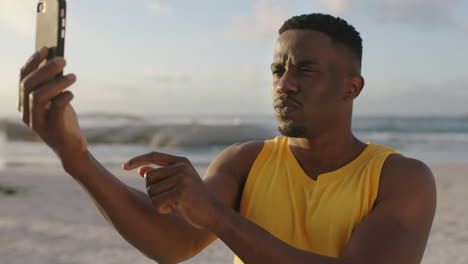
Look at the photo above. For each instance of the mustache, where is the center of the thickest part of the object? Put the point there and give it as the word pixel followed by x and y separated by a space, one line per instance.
pixel 286 101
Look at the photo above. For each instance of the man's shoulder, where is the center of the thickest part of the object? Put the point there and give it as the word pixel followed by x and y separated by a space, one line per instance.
pixel 402 168
pixel 242 154
pixel 227 173
pixel 237 159
pixel 401 175
pixel 246 147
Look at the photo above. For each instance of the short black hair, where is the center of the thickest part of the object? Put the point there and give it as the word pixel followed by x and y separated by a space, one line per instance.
pixel 336 28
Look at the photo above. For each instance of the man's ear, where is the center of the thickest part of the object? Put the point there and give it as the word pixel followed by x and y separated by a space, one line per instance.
pixel 353 86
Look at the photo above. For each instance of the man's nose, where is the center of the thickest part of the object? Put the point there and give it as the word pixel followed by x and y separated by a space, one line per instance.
pixel 287 84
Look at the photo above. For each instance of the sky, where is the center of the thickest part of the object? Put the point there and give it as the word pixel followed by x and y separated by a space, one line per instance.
pixel 158 57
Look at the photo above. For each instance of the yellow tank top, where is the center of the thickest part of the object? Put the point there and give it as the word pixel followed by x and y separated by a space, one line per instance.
pixel 316 216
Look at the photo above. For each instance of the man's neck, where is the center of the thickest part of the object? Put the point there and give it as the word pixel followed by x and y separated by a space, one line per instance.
pixel 326 152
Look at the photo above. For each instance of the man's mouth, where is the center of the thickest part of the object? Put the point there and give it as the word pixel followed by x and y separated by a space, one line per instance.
pixel 285 107
pixel 285 110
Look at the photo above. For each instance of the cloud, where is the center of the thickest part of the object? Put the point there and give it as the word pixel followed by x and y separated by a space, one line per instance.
pixel 337 7
pixel 463 26
pixel 455 87
pixel 417 97
pixel 158 7
pixel 165 77
pixel 428 14
pixel 18 16
pixel 251 76
pixel 261 23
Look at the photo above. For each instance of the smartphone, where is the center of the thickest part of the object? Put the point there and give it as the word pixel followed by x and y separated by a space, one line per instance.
pixel 50 26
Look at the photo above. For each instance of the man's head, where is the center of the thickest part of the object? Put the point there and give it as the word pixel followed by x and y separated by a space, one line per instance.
pixel 316 74
pixel 336 28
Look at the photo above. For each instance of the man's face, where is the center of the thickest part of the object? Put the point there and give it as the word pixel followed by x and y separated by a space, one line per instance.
pixel 308 83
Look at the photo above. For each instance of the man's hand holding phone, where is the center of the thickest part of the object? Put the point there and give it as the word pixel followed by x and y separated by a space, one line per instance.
pixel 46 108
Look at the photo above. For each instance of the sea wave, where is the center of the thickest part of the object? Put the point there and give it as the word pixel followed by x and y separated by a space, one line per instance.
pixel 418 141
pixel 115 138
pixel 411 125
pixel 203 131
pixel 161 135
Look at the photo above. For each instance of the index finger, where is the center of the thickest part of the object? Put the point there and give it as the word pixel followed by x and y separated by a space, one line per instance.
pixel 33 63
pixel 161 159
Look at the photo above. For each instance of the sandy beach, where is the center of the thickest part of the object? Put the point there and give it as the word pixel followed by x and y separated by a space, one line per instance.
pixel 45 217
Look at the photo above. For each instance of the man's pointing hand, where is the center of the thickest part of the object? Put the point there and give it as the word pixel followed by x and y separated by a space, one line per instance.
pixel 176 187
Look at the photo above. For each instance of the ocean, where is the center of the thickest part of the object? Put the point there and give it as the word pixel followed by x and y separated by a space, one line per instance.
pixel 113 139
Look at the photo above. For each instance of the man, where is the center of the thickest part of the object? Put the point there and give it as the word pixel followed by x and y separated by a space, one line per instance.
pixel 315 195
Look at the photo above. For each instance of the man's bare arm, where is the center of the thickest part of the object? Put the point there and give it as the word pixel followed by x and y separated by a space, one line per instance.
pixel 398 228
pixel 164 238
pixel 45 106
pixel 168 238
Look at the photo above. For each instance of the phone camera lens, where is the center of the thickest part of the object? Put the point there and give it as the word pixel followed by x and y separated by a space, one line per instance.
pixel 41 7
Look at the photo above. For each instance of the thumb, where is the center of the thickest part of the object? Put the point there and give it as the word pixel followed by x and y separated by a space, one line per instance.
pixel 144 169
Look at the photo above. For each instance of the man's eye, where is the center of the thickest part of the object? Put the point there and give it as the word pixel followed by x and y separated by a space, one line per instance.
pixel 277 72
pixel 306 69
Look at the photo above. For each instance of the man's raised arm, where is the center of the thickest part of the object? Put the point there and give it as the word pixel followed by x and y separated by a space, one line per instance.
pixel 167 238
